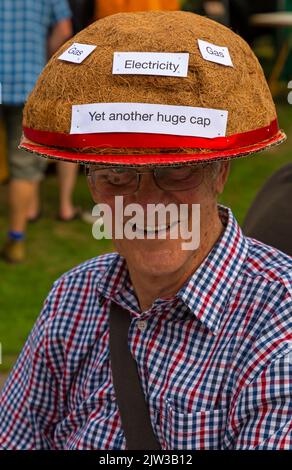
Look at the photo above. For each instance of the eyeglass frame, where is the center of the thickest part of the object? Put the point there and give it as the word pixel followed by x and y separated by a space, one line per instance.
pixel 138 173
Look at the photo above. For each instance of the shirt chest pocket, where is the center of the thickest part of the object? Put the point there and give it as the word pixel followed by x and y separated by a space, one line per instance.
pixel 199 430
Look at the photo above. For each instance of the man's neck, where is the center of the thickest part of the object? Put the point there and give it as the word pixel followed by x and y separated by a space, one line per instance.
pixel 148 288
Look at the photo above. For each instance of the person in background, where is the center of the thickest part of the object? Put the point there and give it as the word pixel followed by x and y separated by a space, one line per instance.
pixel 269 218
pixel 24 44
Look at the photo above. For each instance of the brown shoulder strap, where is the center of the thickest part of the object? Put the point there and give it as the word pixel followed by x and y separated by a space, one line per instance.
pixel 130 397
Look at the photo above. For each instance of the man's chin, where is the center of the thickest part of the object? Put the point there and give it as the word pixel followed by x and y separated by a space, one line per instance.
pixel 157 262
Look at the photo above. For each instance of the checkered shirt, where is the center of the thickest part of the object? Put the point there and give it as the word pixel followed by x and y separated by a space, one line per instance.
pixel 215 360
pixel 24 27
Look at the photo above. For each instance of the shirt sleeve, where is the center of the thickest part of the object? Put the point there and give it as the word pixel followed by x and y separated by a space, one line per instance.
pixel 263 412
pixel 60 10
pixel 29 404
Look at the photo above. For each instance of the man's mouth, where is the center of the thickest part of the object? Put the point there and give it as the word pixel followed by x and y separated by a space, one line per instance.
pixel 154 229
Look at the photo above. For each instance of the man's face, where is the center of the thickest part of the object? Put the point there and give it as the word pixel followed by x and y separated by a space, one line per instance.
pixel 156 256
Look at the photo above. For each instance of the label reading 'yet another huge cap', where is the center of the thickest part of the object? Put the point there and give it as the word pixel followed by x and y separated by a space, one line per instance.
pixel 148 118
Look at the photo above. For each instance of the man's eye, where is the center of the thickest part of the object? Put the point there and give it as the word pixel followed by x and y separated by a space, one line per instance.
pixel 115 179
pixel 180 173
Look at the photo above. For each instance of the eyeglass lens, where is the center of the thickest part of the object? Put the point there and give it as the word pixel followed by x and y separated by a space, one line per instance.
pixel 121 181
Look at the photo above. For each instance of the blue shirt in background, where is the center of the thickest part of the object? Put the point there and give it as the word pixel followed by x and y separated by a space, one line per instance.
pixel 24 29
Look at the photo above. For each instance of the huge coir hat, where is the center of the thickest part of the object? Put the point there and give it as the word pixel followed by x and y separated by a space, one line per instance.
pixel 158 88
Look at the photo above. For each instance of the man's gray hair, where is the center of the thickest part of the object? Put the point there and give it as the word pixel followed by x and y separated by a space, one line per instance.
pixel 214 168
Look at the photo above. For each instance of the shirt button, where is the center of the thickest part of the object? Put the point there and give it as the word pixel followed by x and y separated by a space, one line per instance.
pixel 142 325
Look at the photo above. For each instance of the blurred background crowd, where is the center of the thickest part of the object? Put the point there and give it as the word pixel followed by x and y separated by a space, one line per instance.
pixel 45 207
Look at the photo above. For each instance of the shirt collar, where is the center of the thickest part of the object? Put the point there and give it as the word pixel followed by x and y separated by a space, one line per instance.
pixel 115 284
pixel 207 291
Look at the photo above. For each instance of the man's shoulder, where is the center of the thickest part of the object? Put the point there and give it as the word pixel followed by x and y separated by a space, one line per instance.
pixel 268 263
pixel 265 290
pixel 74 298
pixel 72 319
pixel 270 274
pixel 94 267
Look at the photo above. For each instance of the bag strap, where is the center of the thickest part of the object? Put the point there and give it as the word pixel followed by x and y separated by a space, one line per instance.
pixel 130 397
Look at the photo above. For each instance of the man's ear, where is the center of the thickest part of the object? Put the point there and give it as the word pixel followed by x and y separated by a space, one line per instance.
pixel 222 177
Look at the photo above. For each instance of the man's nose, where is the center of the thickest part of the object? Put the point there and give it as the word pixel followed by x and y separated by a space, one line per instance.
pixel 148 191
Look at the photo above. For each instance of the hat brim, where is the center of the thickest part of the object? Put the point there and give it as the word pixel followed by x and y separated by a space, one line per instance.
pixel 162 159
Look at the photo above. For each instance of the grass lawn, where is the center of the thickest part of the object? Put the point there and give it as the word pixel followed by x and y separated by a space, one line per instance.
pixel 55 247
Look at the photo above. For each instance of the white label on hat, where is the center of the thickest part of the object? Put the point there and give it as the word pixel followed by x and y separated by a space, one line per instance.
pixel 151 63
pixel 213 53
pixel 148 118
pixel 77 52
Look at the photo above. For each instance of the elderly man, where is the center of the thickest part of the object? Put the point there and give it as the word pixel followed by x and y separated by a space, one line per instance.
pixel 208 327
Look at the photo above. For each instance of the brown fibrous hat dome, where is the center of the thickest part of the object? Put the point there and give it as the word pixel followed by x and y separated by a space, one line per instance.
pixel 241 89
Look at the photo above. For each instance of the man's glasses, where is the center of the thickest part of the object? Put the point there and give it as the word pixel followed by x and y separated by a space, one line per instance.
pixel 123 181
